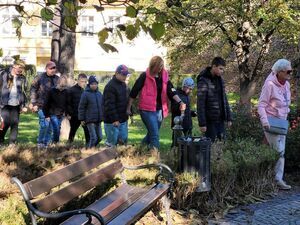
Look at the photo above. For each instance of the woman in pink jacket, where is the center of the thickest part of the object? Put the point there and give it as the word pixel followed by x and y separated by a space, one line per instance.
pixel 154 89
pixel 274 101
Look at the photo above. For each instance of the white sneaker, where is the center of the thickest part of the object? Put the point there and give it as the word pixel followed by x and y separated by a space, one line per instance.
pixel 282 185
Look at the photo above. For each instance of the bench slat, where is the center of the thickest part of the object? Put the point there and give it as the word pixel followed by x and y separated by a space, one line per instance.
pixel 104 203
pixel 123 212
pixel 141 206
pixel 78 187
pixel 47 182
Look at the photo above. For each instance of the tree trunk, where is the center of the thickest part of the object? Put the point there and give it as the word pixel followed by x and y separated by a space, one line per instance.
pixel 63 45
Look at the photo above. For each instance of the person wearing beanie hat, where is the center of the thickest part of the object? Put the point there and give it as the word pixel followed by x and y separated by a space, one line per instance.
pixel 92 79
pixel 183 92
pixel 40 87
pixel 13 85
pixel 90 111
pixel 115 98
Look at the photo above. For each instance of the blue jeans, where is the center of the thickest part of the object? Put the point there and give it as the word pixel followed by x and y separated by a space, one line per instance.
pixel 152 121
pixel 215 130
pixel 56 125
pixel 95 133
pixel 115 134
pixel 45 129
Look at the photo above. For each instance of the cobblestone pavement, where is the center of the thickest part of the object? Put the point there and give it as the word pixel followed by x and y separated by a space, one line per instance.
pixel 284 209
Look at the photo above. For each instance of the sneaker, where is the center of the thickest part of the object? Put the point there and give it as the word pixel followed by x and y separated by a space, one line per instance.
pixel 283 186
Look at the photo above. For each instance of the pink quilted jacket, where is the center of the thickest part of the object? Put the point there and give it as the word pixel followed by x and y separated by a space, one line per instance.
pixel 274 100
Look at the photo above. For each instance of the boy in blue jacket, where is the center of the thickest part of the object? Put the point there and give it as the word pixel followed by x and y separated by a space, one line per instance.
pixel 90 111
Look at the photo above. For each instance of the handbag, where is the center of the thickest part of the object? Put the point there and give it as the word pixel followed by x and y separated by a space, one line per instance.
pixel 278 126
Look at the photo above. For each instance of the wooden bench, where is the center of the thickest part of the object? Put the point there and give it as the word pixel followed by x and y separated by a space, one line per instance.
pixel 125 205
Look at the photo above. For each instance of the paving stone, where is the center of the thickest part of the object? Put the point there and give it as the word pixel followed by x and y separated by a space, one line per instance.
pixel 280 210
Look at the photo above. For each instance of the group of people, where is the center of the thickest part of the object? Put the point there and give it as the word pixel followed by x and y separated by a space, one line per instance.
pixel 83 104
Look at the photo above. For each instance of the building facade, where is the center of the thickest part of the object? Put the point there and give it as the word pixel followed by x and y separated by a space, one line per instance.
pixel 35 44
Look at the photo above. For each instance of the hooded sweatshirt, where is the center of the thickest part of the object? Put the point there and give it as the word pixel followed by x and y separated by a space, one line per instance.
pixel 274 100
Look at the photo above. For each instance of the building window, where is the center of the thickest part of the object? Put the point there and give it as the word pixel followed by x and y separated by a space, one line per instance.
pixel 87 25
pixel 6 20
pixel 113 21
pixel 47 29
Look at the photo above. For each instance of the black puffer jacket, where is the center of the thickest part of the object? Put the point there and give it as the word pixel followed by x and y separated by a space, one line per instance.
pixel 74 95
pixel 212 103
pixel 115 101
pixel 90 106
pixel 55 103
pixel 40 87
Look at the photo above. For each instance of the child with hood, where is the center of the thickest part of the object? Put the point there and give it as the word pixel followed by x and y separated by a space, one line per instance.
pixel 90 111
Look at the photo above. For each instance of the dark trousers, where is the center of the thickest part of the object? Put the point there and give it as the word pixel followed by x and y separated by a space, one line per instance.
pixel 10 115
pixel 74 124
pixel 215 130
pixel 95 132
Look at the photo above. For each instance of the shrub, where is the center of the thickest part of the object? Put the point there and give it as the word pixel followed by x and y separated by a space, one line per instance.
pixel 292 150
pixel 245 125
pixel 242 171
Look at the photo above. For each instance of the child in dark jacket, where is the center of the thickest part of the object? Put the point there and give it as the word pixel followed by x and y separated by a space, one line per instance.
pixel 90 111
pixel 183 93
pixel 55 106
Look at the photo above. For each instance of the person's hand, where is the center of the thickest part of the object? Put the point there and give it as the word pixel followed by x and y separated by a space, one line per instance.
pixel 182 106
pixel 82 123
pixel 33 108
pixel 128 111
pixel 47 119
pixel 116 123
pixel 24 110
pixel 203 129
pixel 229 123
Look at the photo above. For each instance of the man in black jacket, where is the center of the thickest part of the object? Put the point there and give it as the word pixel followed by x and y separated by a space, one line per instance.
pixel 74 95
pixel 212 104
pixel 115 104
pixel 39 90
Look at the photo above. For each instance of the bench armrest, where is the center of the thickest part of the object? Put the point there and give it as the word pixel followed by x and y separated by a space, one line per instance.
pixel 89 213
pixel 162 167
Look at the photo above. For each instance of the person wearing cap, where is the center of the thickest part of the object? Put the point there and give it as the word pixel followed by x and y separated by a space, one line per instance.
pixel 115 104
pixel 212 105
pixel 13 85
pixel 183 92
pixel 154 89
pixel 90 111
pixel 274 101
pixel 40 87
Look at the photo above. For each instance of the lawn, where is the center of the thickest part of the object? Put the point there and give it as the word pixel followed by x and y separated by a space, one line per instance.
pixel 28 131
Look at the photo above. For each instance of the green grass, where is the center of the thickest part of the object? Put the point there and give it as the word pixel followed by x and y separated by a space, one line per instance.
pixel 28 131
pixel 28 128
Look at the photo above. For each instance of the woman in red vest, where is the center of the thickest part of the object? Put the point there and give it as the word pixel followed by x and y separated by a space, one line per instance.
pixel 154 89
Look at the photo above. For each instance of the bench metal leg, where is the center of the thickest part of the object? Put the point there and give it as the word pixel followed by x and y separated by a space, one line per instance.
pixel 166 203
pixel 32 217
pixel 123 178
